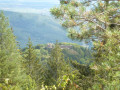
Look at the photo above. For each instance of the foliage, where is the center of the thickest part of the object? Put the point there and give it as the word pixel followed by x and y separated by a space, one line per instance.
pixel 98 21
pixel 75 52
pixel 11 70
pixel 57 67
pixel 33 64
pixel 64 83
pixel 78 53
pixel 84 76
pixel 43 68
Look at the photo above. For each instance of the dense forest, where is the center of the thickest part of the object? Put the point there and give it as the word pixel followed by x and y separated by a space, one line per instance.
pixel 71 51
pixel 66 66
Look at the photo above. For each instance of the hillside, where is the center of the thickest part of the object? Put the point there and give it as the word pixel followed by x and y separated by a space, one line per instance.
pixel 42 29
pixel 71 51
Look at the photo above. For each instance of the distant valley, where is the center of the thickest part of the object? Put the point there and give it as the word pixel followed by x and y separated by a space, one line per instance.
pixel 40 28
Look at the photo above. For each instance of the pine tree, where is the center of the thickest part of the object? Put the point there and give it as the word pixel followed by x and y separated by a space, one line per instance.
pixel 98 21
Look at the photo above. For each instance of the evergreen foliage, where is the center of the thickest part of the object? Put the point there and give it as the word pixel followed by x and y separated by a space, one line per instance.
pixel 72 67
pixel 57 67
pixel 84 76
pixel 32 63
pixel 76 52
pixel 98 21
pixel 11 70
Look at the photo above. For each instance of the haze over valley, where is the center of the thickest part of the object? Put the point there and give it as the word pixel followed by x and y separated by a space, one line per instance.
pixel 33 19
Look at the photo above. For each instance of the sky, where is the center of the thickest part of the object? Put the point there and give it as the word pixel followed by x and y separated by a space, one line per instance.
pixel 28 6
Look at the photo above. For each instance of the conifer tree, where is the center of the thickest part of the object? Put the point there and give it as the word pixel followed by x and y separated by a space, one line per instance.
pixel 32 63
pixel 11 71
pixel 57 66
pixel 98 21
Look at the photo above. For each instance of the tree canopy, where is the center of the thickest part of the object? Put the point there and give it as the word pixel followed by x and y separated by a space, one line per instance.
pixel 97 21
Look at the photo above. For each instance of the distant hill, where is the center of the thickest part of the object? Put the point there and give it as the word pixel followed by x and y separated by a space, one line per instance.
pixel 71 51
pixel 42 29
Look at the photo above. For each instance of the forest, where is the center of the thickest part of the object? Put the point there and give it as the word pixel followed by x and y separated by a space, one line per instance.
pixel 63 65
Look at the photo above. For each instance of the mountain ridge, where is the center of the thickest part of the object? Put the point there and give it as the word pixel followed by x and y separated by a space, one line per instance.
pixel 42 29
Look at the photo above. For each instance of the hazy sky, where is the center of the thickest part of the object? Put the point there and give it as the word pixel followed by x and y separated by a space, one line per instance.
pixel 31 0
pixel 28 6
